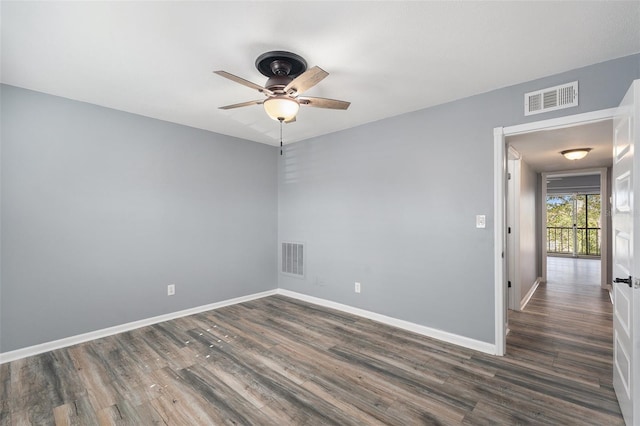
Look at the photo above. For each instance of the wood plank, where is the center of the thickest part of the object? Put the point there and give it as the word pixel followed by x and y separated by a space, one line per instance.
pixel 76 413
pixel 282 361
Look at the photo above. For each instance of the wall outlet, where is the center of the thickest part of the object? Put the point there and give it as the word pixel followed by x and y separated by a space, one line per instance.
pixel 481 221
pixel 357 287
pixel 171 289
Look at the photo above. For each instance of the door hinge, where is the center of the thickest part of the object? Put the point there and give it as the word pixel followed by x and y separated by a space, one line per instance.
pixel 508 176
pixel 509 284
pixel 509 230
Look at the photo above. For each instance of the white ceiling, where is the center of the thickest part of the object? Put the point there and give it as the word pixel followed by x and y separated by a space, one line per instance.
pixel 387 58
pixel 541 150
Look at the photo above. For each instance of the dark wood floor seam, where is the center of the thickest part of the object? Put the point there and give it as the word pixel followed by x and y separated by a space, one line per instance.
pixel 280 361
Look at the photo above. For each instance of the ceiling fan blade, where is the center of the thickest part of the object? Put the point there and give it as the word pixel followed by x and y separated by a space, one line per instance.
pixel 243 82
pixel 305 81
pixel 324 103
pixel 243 104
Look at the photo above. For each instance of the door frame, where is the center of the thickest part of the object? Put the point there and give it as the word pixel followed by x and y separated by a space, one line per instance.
pixel 604 224
pixel 512 238
pixel 499 204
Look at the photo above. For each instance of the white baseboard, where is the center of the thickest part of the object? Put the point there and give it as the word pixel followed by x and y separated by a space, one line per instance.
pixel 455 339
pixel 85 337
pixel 529 294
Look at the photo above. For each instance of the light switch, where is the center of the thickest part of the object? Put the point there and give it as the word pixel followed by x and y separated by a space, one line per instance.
pixel 481 221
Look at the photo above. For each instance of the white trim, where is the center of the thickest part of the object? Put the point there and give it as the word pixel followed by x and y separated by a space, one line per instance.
pixel 499 134
pixel 514 153
pixel 406 325
pixel 85 337
pixel 513 213
pixel 394 322
pixel 543 226
pixel 605 193
pixel 499 225
pixel 529 294
pixel 561 122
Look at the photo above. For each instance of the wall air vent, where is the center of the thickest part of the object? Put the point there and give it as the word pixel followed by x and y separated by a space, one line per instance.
pixel 551 99
pixel 292 259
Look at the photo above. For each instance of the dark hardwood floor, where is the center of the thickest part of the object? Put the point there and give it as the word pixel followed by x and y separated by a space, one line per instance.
pixel 279 361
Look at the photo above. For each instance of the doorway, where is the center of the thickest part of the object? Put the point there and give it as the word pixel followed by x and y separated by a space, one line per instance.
pixel 584 195
pixel 541 134
pixel 552 213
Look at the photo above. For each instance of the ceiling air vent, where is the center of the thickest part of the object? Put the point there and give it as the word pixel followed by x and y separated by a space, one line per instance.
pixel 551 99
pixel 292 259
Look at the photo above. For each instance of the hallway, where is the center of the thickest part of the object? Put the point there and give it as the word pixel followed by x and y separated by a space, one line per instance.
pixel 566 330
pixel 569 270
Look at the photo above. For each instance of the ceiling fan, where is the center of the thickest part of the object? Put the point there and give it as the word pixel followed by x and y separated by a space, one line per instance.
pixel 288 79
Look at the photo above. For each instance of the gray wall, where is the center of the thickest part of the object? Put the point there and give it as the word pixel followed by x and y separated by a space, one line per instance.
pixel 527 231
pixel 102 209
pixel 392 204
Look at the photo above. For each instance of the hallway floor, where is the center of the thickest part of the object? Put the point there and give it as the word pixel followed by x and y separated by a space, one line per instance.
pixel 567 330
pixel 569 270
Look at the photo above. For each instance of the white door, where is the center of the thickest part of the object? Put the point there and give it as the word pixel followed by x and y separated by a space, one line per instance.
pixel 626 243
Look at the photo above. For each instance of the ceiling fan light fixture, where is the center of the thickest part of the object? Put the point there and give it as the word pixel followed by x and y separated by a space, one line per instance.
pixel 281 108
pixel 288 78
pixel 575 154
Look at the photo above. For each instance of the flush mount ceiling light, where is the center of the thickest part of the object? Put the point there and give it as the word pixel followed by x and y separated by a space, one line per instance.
pixel 575 154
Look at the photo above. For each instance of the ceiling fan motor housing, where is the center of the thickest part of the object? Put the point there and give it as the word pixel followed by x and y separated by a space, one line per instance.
pixel 281 63
pixel 278 82
pixel 280 67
